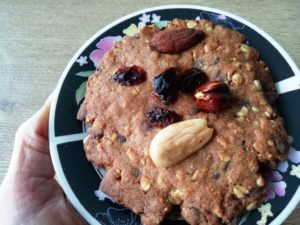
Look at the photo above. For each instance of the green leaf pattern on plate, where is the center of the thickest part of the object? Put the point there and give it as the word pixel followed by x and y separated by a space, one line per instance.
pixel 80 92
pixel 85 73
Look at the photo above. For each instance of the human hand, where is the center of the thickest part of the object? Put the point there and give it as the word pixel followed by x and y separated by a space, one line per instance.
pixel 29 193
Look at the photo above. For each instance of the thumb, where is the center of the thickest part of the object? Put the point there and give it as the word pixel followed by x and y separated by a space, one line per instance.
pixel 31 145
pixel 40 120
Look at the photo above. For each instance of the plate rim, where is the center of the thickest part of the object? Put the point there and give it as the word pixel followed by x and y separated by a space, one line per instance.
pixel 281 217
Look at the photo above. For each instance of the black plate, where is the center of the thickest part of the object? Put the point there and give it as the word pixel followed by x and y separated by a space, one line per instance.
pixel 80 180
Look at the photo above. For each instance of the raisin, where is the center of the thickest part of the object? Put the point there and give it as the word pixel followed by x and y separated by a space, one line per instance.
pixel 160 117
pixel 128 76
pixel 191 79
pixel 165 86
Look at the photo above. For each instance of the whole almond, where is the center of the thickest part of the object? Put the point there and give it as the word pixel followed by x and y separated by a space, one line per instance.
pixel 175 40
pixel 177 141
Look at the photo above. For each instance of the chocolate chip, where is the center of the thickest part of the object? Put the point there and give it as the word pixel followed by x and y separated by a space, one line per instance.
pixel 253 192
pixel 198 63
pixel 282 146
pixel 216 175
pixel 245 103
pixel 195 215
pixel 135 171
pixel 219 77
pixel 121 139
pixel 194 111
pixel 244 145
pixel 146 127
pixel 215 61
pixel 226 165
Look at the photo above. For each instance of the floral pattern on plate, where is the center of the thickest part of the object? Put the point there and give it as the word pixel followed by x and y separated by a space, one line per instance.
pixel 277 186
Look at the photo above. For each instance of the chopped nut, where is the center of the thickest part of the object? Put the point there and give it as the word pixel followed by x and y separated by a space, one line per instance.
pixel 89 119
pixel 244 48
pixel 218 212
pixel 240 191
pixel 117 174
pixel 224 158
pixel 145 183
pixel 270 143
pixel 222 141
pixel 143 163
pixel 257 85
pixel 175 197
pixel 243 112
pixel 206 48
pixel 249 67
pixel 190 170
pixel 191 24
pixel 237 79
pixel 220 48
pixel 269 113
pixel 260 182
pixel 86 139
pixel 262 101
pixel 109 142
pixel 237 65
pixel 146 151
pixel 160 180
pixel 255 109
pixel 130 154
pixel 135 91
pixel 180 175
pixel 209 29
pixel 195 175
pixel 126 130
pixel 251 206
pixel 113 137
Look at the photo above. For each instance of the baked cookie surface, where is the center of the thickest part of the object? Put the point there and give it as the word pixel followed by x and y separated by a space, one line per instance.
pixel 219 182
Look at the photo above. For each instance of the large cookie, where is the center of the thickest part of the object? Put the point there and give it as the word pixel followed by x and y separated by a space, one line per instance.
pixel 219 182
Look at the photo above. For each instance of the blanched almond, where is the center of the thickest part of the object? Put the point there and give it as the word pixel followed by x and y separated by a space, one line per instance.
pixel 178 141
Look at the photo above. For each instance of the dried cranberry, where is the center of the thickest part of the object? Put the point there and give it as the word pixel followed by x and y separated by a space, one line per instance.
pixel 130 75
pixel 160 117
pixel 165 86
pixel 191 79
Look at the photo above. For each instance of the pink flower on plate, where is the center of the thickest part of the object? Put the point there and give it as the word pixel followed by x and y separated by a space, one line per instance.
pixel 222 17
pixel 103 46
pixel 275 186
